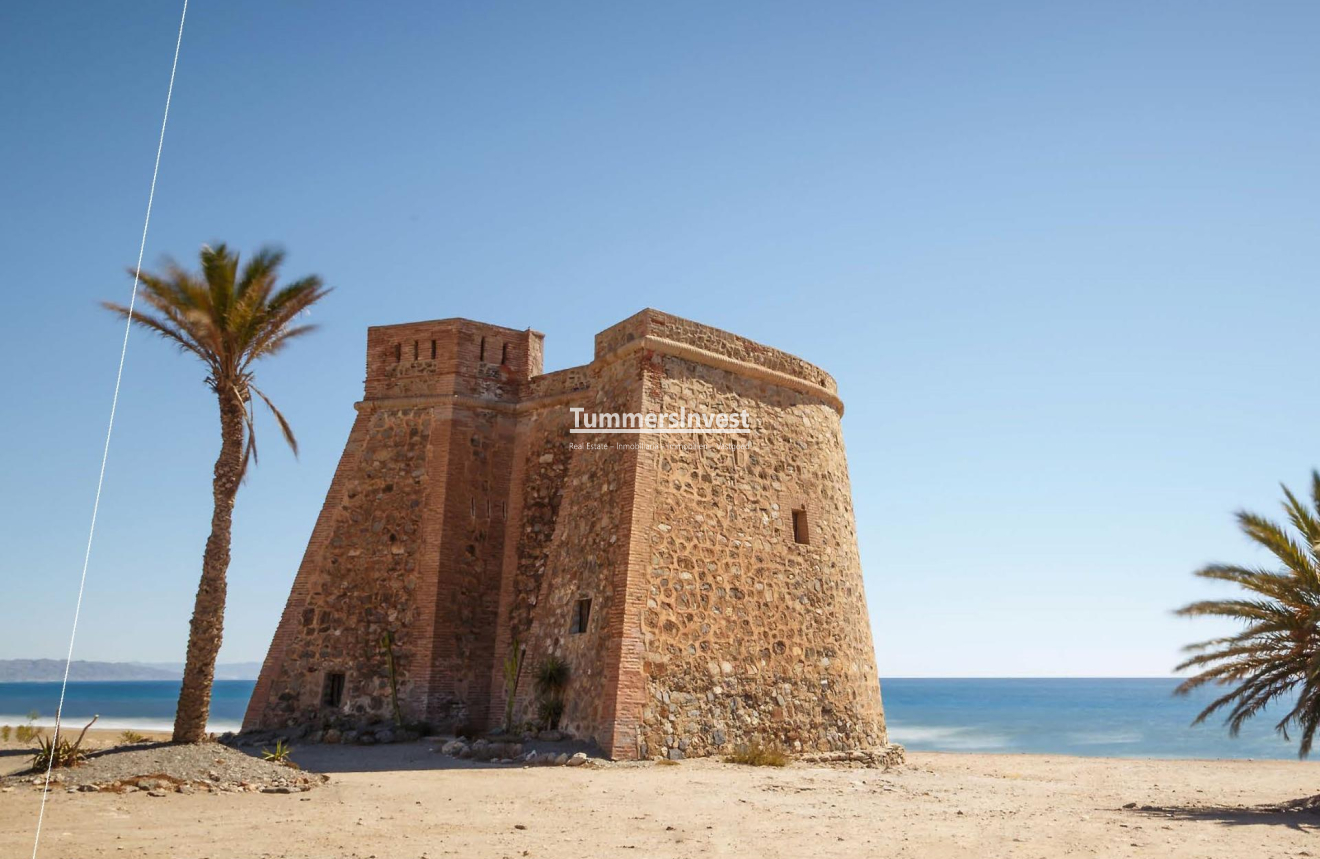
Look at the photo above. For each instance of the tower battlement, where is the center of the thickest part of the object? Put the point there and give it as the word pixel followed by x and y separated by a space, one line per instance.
pixel 705 591
pixel 448 356
pixel 665 329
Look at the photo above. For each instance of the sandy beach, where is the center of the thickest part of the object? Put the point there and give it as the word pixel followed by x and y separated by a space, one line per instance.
pixel 407 801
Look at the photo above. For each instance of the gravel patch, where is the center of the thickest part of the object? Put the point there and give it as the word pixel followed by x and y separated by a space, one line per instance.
pixel 160 768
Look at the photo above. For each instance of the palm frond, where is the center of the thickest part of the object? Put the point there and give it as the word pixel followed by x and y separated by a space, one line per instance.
pixel 279 418
pixel 228 314
pixel 1272 536
pixel 156 325
pixel 1302 519
pixel 260 271
pixel 1276 651
pixel 277 343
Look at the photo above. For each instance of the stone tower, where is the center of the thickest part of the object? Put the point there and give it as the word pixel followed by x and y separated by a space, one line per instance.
pixel 704 589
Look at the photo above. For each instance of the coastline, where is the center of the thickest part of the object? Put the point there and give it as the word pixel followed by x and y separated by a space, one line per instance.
pixel 1089 717
pixel 104 736
pixel 138 705
pixel 160 730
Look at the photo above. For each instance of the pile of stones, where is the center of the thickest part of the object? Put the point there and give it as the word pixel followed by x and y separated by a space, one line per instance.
pixel 159 769
pixel 503 752
pixel 163 785
pixel 882 757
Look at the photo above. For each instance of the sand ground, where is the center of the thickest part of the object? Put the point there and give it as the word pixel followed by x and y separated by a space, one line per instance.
pixel 405 801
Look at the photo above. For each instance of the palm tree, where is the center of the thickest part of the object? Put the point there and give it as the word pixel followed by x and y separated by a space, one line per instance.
pixel 1277 652
pixel 228 319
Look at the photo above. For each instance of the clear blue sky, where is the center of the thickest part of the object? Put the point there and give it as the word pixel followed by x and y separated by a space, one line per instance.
pixel 1061 258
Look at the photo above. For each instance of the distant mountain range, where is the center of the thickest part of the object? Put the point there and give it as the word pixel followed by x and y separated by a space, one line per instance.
pixel 37 670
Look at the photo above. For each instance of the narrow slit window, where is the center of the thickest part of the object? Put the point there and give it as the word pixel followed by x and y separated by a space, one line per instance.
pixel 432 350
pixel 800 532
pixel 581 614
pixel 481 356
pixel 333 693
pixel 417 349
pixel 473 503
pixel 398 352
pixel 504 354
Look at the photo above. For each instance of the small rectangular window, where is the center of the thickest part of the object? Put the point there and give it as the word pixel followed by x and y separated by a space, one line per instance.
pixel 504 354
pixel 398 352
pixel 416 349
pixel 800 534
pixel 432 350
pixel 332 695
pixel 581 614
pixel 481 356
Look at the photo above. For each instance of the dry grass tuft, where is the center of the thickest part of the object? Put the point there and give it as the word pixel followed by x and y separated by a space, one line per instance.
pixel 758 756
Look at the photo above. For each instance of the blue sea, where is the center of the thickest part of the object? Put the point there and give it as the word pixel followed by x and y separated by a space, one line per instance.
pixel 1108 717
pixel 1137 718
pixel 143 705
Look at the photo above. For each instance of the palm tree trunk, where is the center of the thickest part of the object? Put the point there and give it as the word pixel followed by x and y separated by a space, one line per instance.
pixel 208 619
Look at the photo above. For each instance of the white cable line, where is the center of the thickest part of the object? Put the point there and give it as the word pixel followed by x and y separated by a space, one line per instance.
pixel 114 403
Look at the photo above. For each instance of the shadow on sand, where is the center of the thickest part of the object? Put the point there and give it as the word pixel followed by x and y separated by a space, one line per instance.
pixel 1302 815
pixel 16 762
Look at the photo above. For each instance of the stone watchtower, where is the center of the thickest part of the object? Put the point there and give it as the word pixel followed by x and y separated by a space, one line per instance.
pixel 704 589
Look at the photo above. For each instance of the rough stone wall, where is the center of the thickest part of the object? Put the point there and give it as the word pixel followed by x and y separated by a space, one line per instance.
pixel 360 580
pixel 464 516
pixel 751 636
pixel 547 462
pixel 588 558
pixel 410 542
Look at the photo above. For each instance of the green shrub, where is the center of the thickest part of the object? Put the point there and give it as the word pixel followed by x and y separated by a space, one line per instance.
pixel 551 681
pixel 552 676
pixel 51 753
pixel 59 753
pixel 5 731
pixel 278 755
pixel 549 711
pixel 131 738
pixel 756 755
pixel 28 732
pixel 512 674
